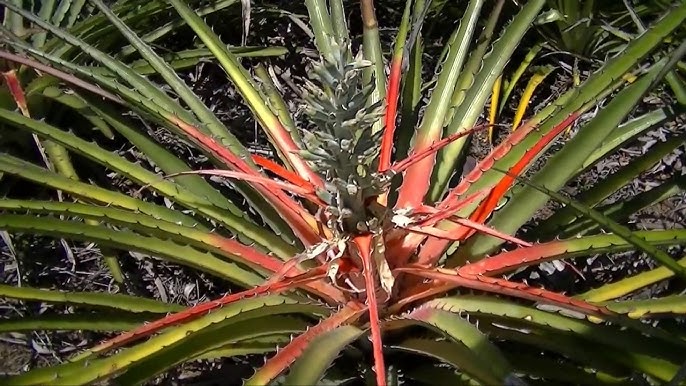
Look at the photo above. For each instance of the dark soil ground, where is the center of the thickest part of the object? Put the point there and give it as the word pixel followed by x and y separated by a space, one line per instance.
pixel 46 263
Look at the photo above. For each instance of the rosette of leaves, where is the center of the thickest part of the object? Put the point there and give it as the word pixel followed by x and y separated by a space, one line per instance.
pixel 351 247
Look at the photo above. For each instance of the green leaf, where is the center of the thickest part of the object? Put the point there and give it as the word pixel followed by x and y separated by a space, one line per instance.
pixel 629 284
pixel 650 355
pixel 174 23
pixel 185 59
pixel 207 119
pixel 228 215
pixel 473 352
pixel 321 24
pixel 90 370
pixel 276 102
pixel 616 228
pixel 153 93
pixel 562 166
pixel 213 340
pixel 339 24
pixel 467 113
pixel 182 254
pixel 114 301
pixel 623 134
pixel 46 10
pixel 540 366
pixel 75 322
pixel 675 304
pixel 606 187
pixel 78 104
pixel 451 353
pixel 621 211
pixel 309 368
pixel 238 349
pixel 437 376
pixel 601 359
pixel 371 47
pixel 203 240
pixel 92 193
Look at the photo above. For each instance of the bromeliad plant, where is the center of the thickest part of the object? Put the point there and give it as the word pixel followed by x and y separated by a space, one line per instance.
pixel 365 232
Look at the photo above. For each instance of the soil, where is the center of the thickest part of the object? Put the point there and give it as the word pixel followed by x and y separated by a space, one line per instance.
pixel 70 266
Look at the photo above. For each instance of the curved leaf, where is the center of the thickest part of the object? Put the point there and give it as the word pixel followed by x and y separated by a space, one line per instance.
pixel 309 368
pixel 287 355
pixel 620 230
pixel 182 254
pixel 89 370
pixel 114 301
pixel 568 248
pixel 171 26
pixel 621 211
pixel 629 284
pixel 450 353
pixel 675 304
pixel 653 356
pixel 474 353
pixel 204 114
pixel 624 133
pixel 75 322
pixel 603 358
pixel 562 166
pixel 609 185
pixel 213 340
pixel 20 168
pixel 229 215
pixel 190 58
pixel 435 375
pixel 154 94
pixel 539 366
pixel 208 241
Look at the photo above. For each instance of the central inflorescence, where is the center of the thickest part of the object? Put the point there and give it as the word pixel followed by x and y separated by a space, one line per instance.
pixel 343 147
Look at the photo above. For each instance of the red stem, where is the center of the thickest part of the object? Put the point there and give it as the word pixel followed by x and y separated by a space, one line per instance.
pixel 391 112
pixel 281 172
pixel 364 247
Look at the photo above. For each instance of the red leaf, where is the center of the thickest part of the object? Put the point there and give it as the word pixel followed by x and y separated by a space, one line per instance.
pixel 504 287
pixel 364 248
pixel 391 112
pixel 304 225
pixel 287 355
pixel 281 171
pixel 403 165
pixel 501 188
pixel 520 257
pixel 203 308
pixel 434 248
pixel 305 192
pixel 16 90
